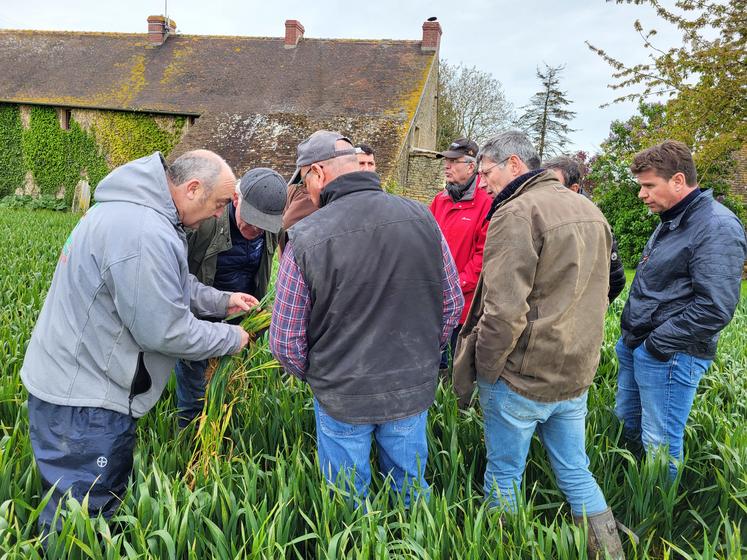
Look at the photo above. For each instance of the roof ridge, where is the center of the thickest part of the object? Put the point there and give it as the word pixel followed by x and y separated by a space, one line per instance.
pixel 144 35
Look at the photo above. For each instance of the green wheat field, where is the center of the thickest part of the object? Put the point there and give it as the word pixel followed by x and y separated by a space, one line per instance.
pixel 248 485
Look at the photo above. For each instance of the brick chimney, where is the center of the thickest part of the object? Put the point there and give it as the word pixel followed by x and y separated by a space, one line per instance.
pixel 159 28
pixel 293 33
pixel 431 35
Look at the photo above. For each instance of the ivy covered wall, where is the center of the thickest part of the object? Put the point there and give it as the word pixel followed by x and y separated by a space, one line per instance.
pixel 12 171
pixel 32 140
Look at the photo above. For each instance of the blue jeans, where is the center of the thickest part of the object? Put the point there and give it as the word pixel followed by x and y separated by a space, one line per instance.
pixel 190 389
pixel 510 422
pixel 402 446
pixel 654 398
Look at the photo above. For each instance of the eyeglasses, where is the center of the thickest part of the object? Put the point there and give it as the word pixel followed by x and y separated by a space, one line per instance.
pixel 303 177
pixel 485 172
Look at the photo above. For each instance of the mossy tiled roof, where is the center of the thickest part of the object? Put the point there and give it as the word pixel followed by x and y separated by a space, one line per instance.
pixel 243 88
pixel 193 74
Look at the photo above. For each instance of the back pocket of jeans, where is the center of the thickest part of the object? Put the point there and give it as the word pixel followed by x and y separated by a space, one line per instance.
pixel 520 407
pixel 335 428
pixel 405 425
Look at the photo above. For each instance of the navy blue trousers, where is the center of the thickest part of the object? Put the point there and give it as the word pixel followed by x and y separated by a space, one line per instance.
pixel 190 389
pixel 81 450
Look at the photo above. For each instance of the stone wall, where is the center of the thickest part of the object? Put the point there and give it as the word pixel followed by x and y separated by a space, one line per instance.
pixel 425 177
pixel 421 132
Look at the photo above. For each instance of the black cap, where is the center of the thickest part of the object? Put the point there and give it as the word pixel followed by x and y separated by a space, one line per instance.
pixel 460 147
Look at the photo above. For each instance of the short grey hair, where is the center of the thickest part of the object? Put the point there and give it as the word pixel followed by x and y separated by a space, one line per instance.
pixel 195 165
pixel 508 143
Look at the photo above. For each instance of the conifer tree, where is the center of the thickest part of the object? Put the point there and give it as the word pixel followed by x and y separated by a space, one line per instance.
pixel 546 117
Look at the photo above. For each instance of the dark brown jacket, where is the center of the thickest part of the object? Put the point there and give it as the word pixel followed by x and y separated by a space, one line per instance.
pixel 537 319
pixel 298 205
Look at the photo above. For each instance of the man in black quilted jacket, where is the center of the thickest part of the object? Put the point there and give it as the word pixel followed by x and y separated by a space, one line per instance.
pixel 684 293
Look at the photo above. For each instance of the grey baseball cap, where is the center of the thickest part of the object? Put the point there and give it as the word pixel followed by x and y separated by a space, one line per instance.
pixel 320 146
pixel 263 193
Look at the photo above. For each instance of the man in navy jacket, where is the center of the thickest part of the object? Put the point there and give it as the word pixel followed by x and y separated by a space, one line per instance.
pixel 685 291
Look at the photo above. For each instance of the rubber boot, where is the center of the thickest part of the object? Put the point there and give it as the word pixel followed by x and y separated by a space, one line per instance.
pixel 602 536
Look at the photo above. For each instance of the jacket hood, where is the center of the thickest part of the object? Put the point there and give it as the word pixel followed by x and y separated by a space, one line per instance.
pixel 143 182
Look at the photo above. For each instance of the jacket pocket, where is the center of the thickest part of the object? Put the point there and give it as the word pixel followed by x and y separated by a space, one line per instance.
pixel 518 359
pixel 526 344
pixel 464 372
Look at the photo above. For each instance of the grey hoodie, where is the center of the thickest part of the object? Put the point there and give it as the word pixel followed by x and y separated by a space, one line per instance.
pixel 120 308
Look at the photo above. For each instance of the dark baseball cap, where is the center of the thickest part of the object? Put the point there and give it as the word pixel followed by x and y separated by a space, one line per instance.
pixel 263 193
pixel 460 147
pixel 320 146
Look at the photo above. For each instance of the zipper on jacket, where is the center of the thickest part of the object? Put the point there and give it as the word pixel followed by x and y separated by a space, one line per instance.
pixel 654 241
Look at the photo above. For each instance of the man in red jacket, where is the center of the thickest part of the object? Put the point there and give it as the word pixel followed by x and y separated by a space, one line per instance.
pixel 460 211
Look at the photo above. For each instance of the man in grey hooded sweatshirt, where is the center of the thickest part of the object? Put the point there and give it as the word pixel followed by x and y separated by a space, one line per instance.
pixel 120 311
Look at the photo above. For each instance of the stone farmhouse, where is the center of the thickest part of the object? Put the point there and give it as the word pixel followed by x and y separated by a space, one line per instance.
pixel 74 105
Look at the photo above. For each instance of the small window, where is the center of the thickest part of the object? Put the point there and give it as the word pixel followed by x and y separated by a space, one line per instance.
pixel 192 120
pixel 64 117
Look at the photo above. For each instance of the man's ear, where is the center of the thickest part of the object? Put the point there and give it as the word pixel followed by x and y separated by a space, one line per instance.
pixel 235 200
pixel 192 188
pixel 575 187
pixel 678 179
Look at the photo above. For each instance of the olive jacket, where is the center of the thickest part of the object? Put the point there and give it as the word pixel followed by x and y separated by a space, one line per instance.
pixel 537 318
pixel 214 237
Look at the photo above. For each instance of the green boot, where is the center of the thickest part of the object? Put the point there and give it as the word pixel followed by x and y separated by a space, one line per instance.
pixel 602 536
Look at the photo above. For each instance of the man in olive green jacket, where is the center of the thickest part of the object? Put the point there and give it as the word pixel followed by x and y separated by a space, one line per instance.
pixel 236 249
pixel 535 329
pixel 214 237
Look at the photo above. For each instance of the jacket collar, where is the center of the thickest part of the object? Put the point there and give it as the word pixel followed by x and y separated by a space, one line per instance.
pixel 465 191
pixel 513 189
pixel 470 194
pixel 356 181
pixel 704 197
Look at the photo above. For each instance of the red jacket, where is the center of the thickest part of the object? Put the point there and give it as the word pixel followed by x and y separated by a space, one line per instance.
pixel 464 227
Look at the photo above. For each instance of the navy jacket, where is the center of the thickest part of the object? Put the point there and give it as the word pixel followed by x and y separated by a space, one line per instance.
pixel 687 283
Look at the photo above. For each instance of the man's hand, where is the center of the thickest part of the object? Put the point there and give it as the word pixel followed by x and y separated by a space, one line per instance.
pixel 240 302
pixel 245 339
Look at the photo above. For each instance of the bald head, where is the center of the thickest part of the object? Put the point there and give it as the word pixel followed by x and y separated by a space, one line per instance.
pixel 201 184
pixel 204 165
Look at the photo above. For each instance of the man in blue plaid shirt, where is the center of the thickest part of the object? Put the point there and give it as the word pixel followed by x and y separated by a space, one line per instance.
pixel 367 295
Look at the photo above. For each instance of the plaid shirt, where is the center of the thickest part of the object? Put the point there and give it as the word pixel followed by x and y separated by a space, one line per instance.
pixel 290 313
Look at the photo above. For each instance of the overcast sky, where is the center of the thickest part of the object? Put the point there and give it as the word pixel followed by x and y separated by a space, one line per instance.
pixel 508 38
